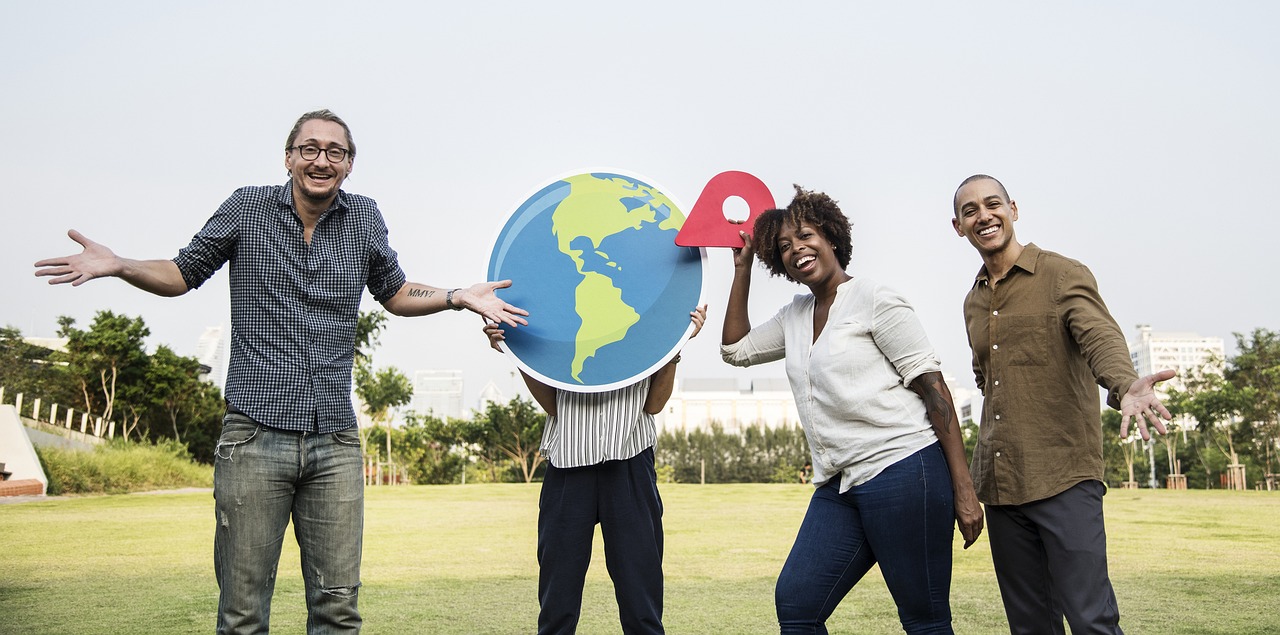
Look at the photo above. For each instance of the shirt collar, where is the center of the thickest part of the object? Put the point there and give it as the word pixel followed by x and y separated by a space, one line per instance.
pixel 1026 261
pixel 340 202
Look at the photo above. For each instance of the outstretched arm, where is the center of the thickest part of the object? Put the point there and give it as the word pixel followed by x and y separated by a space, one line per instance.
pixel 664 379
pixel 414 299
pixel 1142 405
pixel 942 416
pixel 160 277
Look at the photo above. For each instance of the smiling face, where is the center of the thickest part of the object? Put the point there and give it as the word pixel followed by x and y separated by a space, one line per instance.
pixel 318 180
pixel 820 218
pixel 807 256
pixel 985 215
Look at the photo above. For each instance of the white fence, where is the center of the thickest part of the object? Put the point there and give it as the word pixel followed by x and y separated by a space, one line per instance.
pixel 64 418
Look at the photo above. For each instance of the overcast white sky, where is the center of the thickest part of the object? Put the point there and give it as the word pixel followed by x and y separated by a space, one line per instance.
pixel 1139 137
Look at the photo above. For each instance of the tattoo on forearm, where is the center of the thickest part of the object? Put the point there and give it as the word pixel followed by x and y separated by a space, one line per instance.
pixel 941 413
pixel 421 293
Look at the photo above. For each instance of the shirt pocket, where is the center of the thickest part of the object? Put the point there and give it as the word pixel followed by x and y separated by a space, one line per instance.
pixel 847 337
pixel 1026 340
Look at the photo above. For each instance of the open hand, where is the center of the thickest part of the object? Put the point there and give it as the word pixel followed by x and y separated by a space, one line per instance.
pixel 95 261
pixel 481 299
pixel 1142 405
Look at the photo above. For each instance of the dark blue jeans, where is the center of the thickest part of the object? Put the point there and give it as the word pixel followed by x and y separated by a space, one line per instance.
pixel 622 496
pixel 262 477
pixel 901 519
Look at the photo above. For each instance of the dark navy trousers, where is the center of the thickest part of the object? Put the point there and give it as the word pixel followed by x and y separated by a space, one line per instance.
pixel 1051 560
pixel 622 496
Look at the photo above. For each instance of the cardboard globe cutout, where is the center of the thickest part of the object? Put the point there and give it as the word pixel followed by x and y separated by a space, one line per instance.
pixel 592 257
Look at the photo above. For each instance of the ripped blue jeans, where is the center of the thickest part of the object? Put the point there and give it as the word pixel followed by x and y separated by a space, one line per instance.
pixel 264 476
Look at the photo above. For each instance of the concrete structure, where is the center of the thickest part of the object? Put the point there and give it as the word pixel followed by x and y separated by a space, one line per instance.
pixel 212 350
pixel 51 343
pixel 1187 353
pixel 967 400
pixel 438 392
pixel 25 475
pixel 696 403
pixel 490 394
pixel 1191 355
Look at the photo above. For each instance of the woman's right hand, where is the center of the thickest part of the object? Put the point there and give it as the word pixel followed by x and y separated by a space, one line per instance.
pixel 742 256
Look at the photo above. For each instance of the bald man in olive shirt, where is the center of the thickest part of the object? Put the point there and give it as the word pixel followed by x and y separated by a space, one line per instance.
pixel 1042 342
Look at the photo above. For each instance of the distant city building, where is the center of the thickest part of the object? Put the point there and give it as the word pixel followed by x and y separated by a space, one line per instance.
pixel 212 351
pixel 51 343
pixel 696 403
pixel 968 401
pixel 438 392
pixel 1186 353
pixel 490 394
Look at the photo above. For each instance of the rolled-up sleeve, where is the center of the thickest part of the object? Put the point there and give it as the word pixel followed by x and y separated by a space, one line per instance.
pixel 764 343
pixel 1099 337
pixel 901 337
pixel 385 274
pixel 213 245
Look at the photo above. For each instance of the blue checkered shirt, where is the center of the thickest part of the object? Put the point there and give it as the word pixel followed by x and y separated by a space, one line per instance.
pixel 294 306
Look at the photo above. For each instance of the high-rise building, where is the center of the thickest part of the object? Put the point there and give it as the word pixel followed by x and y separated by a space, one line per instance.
pixel 437 392
pixel 1186 353
pixel 212 351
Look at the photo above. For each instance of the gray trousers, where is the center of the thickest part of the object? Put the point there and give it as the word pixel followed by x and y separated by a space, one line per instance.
pixel 1051 561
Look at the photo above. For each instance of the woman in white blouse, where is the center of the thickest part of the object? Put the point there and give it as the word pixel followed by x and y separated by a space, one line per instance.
pixel 888 459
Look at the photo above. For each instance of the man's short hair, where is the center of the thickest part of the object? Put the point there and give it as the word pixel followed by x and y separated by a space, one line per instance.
pixel 955 198
pixel 323 115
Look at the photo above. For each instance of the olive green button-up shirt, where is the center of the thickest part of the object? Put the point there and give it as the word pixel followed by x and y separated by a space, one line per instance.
pixel 1041 337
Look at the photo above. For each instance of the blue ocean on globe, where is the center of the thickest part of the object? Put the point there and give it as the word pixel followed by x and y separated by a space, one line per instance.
pixel 593 259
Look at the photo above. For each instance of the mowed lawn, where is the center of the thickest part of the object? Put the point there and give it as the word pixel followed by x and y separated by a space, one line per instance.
pixel 461 559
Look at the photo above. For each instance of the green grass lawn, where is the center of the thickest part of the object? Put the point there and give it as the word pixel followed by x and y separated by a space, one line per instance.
pixel 460 560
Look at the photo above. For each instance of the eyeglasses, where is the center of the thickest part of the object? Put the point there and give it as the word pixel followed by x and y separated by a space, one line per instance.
pixel 311 153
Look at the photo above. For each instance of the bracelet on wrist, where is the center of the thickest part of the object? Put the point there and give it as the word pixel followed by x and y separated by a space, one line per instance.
pixel 448 300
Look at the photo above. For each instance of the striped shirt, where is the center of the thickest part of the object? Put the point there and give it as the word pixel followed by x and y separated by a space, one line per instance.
pixel 591 428
pixel 294 305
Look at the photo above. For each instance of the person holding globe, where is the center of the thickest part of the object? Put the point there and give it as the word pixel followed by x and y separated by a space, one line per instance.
pixel 888 461
pixel 600 470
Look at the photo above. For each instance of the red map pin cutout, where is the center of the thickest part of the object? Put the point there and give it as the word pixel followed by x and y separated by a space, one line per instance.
pixel 707 226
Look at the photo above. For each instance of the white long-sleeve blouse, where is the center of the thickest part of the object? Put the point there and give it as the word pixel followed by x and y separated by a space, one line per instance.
pixel 850 385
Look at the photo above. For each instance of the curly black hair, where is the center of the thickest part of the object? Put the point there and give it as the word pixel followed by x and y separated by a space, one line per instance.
pixel 811 208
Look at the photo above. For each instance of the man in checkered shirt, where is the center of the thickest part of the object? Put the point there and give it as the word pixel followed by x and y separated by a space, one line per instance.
pixel 301 256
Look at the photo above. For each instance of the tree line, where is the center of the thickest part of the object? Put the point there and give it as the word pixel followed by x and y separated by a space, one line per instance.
pixel 106 371
pixel 1231 417
pixel 1227 413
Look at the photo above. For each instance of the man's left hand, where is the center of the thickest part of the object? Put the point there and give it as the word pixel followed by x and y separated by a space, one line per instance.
pixel 481 299
pixel 1141 405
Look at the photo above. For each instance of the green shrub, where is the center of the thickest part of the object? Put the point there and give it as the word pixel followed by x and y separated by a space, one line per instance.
pixel 122 467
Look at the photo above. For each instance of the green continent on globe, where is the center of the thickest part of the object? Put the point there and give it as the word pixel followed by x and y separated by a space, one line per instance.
pixel 606 318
